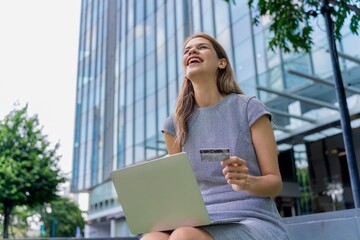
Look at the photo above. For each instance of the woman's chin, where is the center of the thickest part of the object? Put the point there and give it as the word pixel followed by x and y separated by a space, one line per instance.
pixel 193 73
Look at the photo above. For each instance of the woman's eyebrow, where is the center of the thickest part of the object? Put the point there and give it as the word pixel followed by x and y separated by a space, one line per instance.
pixel 198 45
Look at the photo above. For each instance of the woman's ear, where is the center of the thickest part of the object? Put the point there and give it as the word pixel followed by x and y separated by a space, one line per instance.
pixel 223 63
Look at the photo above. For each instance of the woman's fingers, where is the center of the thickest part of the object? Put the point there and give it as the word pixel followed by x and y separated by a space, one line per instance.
pixel 236 176
pixel 236 172
pixel 233 161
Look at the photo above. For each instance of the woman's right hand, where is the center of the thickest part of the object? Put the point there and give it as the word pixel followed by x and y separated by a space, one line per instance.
pixel 236 173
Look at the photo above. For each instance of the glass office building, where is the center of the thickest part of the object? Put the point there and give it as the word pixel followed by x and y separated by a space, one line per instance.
pixel 129 74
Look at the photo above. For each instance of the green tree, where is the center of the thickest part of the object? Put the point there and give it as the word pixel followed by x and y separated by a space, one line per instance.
pixel 29 174
pixel 290 23
pixel 61 217
pixel 292 30
pixel 19 222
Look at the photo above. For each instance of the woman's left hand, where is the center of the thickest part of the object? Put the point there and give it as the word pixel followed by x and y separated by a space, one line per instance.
pixel 236 173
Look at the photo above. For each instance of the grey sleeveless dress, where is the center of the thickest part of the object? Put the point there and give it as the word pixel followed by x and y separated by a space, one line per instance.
pixel 227 125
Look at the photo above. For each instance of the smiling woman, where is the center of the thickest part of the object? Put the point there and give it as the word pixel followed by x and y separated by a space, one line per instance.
pixel 195 52
pixel 212 112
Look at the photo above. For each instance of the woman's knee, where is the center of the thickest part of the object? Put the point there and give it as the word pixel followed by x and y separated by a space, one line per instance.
pixel 155 236
pixel 190 233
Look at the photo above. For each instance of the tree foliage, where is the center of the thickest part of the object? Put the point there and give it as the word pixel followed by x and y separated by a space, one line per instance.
pixel 29 174
pixel 62 214
pixel 19 224
pixel 61 217
pixel 290 23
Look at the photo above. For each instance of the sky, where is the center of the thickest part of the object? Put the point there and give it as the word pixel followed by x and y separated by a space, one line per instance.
pixel 38 65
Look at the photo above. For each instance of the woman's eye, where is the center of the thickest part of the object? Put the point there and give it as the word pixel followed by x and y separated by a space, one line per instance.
pixel 186 51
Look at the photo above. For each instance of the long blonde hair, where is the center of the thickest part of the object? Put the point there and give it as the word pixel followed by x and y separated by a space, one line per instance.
pixel 185 103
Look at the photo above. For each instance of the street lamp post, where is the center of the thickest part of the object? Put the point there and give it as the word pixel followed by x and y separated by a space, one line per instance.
pixel 343 108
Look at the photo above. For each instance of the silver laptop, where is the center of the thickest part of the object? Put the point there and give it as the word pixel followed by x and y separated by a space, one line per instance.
pixel 160 195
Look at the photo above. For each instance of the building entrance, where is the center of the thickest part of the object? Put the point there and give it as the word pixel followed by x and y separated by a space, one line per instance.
pixel 316 176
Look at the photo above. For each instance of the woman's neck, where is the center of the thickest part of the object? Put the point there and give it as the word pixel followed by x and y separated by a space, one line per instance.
pixel 207 95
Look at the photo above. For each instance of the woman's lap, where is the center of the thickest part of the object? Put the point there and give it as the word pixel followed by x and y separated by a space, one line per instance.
pixel 248 229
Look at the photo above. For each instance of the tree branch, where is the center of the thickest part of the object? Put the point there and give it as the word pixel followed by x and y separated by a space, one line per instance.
pixel 350 7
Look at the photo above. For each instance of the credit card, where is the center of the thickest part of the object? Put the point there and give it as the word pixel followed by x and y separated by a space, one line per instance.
pixel 214 154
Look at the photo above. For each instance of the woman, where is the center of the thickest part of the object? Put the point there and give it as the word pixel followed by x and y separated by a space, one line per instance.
pixel 212 112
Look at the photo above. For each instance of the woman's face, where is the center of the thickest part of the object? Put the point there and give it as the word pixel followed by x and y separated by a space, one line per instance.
pixel 200 59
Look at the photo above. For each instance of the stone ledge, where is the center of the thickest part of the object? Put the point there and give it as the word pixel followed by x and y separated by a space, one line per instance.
pixel 344 225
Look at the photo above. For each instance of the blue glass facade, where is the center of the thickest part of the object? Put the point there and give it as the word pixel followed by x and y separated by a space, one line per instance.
pixel 129 74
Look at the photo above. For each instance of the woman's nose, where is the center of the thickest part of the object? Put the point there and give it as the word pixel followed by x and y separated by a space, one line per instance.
pixel 192 50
